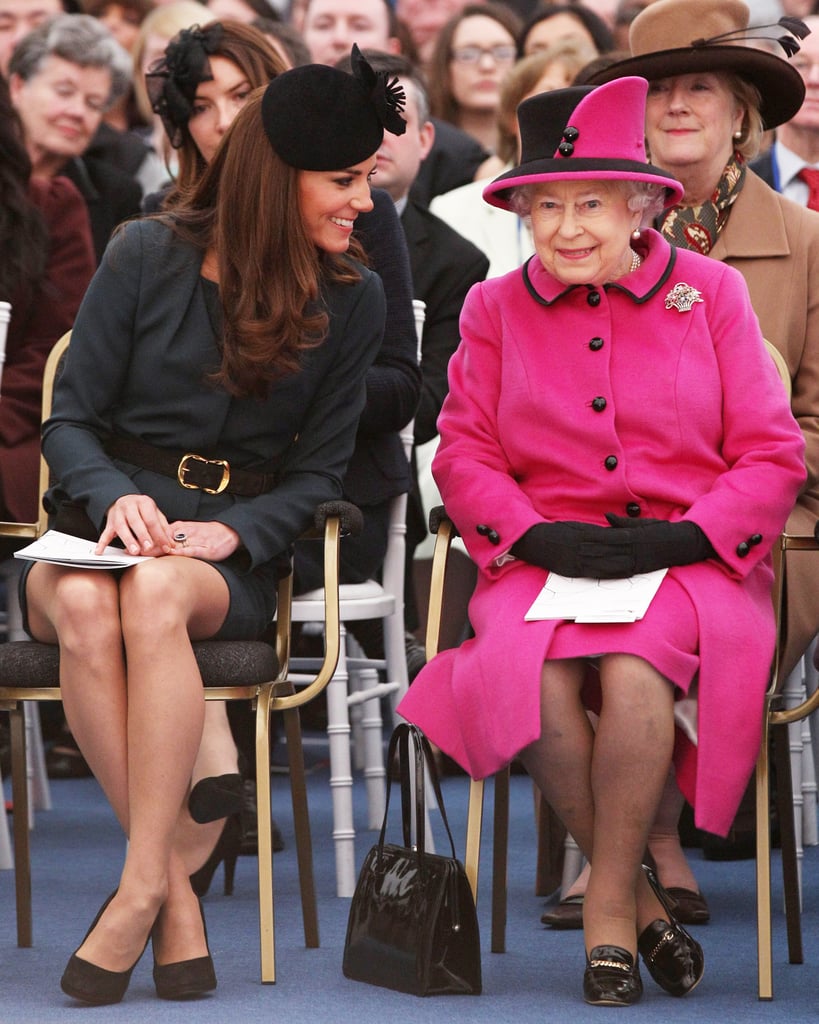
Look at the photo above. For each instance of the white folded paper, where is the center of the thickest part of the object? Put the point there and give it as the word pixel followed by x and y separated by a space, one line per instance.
pixel 588 600
pixel 63 549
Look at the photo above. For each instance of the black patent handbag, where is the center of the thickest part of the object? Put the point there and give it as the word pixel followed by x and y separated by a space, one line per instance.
pixel 412 924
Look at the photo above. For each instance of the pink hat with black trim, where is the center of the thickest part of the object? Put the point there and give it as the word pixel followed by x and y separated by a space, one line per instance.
pixel 583 132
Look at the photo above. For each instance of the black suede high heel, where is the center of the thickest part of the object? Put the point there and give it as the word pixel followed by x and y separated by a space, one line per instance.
pixel 612 977
pixel 92 984
pixel 227 850
pixel 674 959
pixel 215 797
pixel 186 979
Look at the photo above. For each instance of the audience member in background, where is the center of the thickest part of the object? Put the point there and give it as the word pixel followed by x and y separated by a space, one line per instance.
pixel 63 76
pixel 48 260
pixel 240 10
pixel 332 26
pixel 18 18
pixel 791 165
pixel 155 32
pixel 551 22
pixel 561 62
pixel 472 54
pixel 198 87
pixel 444 267
pixel 507 242
pixel 122 18
pixel 425 19
pixel 625 12
pixel 707 106
pixel 279 325
pixel 286 40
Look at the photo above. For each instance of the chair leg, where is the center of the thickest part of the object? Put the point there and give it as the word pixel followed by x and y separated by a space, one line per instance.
pixel 341 777
pixel 787 830
pixel 474 821
pixel 267 939
pixel 301 821
pixel 20 820
pixel 500 858
pixel 763 871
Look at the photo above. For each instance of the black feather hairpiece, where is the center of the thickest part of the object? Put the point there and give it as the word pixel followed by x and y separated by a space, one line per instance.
pixel 795 29
pixel 386 93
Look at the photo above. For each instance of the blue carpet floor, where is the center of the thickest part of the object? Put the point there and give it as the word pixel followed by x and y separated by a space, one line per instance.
pixel 77 854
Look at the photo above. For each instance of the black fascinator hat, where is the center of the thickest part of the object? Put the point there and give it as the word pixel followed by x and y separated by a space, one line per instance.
pixel 318 118
pixel 173 80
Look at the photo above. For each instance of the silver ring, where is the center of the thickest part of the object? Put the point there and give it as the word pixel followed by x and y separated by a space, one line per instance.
pixel 181 538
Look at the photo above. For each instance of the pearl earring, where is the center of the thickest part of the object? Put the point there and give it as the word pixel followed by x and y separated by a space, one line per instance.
pixel 635 234
pixel 738 135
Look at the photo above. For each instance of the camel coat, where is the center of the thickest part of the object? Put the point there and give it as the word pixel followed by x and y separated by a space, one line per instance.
pixel 774 244
pixel 695 425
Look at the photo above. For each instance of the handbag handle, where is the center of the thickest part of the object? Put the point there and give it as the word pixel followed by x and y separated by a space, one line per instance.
pixel 399 742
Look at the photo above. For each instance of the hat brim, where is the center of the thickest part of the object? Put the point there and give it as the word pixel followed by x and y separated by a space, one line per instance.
pixel 499 192
pixel 780 85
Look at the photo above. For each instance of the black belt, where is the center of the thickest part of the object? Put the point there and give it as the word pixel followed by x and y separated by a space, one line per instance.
pixel 195 472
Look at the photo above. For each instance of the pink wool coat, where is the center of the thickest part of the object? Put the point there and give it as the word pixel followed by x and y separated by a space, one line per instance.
pixel 695 425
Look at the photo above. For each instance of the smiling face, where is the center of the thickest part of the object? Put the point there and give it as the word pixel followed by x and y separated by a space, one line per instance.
pixel 330 201
pixel 582 230
pixel 475 82
pixel 61 107
pixel 215 105
pixel 690 125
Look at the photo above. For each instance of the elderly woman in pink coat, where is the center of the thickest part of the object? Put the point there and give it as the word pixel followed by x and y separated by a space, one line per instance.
pixel 612 411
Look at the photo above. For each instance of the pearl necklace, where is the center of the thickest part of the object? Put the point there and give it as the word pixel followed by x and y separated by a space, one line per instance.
pixel 635 262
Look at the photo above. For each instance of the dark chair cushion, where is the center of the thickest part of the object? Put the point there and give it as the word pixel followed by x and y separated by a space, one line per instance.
pixel 31 664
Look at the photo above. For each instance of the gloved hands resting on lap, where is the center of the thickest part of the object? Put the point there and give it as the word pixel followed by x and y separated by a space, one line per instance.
pixel 626 547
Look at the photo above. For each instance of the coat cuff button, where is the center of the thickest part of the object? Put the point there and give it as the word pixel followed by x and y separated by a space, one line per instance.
pixel 743 548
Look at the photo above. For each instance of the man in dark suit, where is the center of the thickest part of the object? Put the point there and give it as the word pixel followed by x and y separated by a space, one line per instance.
pixel 791 165
pixel 444 266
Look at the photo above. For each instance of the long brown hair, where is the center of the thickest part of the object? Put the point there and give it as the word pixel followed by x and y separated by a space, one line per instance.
pixel 246 207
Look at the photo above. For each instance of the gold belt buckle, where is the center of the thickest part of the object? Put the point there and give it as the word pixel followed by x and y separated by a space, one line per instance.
pixel 182 469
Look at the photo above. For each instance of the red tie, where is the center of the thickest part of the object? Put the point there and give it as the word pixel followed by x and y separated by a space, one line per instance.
pixel 810 176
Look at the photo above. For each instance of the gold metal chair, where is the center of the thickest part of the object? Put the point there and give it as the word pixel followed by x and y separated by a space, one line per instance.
pixel 444 530
pixel 231 670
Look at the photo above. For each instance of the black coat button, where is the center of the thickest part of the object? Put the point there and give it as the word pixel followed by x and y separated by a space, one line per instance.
pixel 599 403
pixel 611 462
pixel 755 538
pixel 565 149
pixel 571 134
pixel 596 344
pixel 483 529
pixel 632 509
pixel 593 298
pixel 493 537
pixel 743 548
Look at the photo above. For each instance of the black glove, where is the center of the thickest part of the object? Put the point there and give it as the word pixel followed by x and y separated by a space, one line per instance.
pixel 627 547
pixel 657 544
pixel 572 549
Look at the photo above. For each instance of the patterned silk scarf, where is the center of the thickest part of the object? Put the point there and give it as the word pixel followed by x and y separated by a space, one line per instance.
pixel 697 227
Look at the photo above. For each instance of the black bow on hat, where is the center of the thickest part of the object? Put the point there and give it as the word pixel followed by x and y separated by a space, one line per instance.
pixel 173 80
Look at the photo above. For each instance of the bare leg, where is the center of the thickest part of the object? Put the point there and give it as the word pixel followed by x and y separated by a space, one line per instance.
pixel 606 786
pixel 157 724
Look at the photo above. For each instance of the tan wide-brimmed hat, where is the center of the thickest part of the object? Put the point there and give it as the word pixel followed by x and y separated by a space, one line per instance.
pixel 680 37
